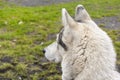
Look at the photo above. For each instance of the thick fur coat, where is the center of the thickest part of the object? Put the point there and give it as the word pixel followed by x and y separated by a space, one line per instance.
pixel 85 51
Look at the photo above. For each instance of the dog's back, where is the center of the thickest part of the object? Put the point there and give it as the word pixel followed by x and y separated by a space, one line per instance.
pixel 101 56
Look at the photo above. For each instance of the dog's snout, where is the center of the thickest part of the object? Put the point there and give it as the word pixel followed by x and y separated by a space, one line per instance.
pixel 43 51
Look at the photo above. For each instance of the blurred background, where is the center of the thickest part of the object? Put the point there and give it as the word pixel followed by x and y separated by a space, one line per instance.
pixel 27 26
pixel 38 2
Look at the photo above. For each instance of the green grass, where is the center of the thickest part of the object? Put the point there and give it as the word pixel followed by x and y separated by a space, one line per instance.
pixel 24 32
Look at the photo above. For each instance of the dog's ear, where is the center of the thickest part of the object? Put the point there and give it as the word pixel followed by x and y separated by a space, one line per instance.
pixel 81 14
pixel 67 20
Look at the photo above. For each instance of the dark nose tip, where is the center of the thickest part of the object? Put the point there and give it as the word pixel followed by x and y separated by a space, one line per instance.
pixel 43 51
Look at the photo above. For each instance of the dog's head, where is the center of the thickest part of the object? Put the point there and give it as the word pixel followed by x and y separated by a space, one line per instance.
pixel 69 36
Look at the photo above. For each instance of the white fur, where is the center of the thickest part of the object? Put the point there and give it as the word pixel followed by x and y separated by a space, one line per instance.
pixel 90 54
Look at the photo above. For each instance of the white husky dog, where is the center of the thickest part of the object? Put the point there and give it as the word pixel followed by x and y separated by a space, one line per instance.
pixel 85 51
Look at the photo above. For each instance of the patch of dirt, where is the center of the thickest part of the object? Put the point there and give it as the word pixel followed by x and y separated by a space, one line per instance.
pixel 51 36
pixel 6 59
pixel 1 78
pixel 109 22
pixel 38 2
pixel 5 70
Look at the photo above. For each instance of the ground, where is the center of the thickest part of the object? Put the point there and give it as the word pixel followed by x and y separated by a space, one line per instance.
pixel 25 31
pixel 38 2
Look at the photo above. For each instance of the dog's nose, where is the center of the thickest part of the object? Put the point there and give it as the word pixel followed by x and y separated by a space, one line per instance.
pixel 43 51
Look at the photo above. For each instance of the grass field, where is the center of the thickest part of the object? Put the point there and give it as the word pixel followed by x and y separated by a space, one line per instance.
pixel 25 31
